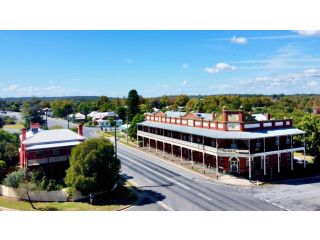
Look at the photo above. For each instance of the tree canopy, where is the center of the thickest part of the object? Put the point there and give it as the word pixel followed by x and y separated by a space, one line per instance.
pixel 93 166
pixel 132 104
pixel 132 131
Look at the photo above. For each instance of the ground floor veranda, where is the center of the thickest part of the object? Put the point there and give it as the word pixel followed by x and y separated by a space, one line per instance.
pixel 248 165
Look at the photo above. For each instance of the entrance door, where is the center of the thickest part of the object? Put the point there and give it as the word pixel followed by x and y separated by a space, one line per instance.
pixel 234 165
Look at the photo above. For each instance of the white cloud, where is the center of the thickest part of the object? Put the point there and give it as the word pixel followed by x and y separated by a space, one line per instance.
pixel 306 81
pixel 219 67
pixel 184 82
pixel 239 40
pixel 185 66
pixel 11 88
pixel 313 84
pixel 308 32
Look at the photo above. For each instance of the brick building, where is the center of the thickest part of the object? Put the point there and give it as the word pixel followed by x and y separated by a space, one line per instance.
pixel 49 149
pixel 233 142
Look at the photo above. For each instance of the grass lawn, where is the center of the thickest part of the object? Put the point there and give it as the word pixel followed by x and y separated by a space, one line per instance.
pixel 118 199
pixel 110 134
pixel 17 126
pixel 299 155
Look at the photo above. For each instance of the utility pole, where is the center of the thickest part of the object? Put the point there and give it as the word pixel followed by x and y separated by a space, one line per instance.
pixel 127 125
pixel 115 139
pixel 46 117
pixel 68 116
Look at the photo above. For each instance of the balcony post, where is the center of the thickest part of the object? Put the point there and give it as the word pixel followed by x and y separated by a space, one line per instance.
pixel 264 157
pixel 249 161
pixel 156 146
pixel 292 154
pixel 172 152
pixel 149 145
pixel 143 142
pixel 181 155
pixel 278 154
pixel 191 159
pixel 203 160
pixel 217 162
pixel 203 154
pixel 304 150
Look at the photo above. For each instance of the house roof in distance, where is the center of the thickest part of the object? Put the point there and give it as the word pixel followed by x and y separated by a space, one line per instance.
pixel 55 135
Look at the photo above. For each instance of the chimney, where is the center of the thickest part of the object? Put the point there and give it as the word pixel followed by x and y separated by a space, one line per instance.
pixel 24 134
pixel 241 116
pixel 268 116
pixel 224 114
pixel 80 129
pixel 22 148
pixel 213 115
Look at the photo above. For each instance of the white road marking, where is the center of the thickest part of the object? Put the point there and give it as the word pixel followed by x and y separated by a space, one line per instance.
pixel 149 180
pixel 201 195
pixel 161 175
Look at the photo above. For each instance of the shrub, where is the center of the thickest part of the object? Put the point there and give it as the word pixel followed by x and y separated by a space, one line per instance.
pixel 74 129
pixel 14 179
pixel 42 182
pixel 3 167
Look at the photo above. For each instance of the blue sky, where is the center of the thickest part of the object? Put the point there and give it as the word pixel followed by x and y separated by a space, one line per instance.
pixel 155 63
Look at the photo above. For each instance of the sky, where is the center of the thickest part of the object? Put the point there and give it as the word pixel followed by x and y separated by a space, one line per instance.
pixel 156 63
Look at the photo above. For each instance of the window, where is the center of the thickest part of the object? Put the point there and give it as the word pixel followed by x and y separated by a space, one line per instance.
pixel 277 141
pixel 56 152
pixel 258 143
pixel 233 144
pixel 40 154
pixel 288 140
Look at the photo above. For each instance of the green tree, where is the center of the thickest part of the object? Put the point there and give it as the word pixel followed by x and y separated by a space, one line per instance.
pixel 93 166
pixel 133 104
pixel 85 108
pixel 31 112
pixel 61 108
pixel 181 100
pixel 132 131
pixel 9 147
pixel 311 125
pixel 3 167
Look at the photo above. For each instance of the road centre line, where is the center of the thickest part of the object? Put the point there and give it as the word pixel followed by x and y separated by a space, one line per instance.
pixel 180 184
pixel 201 195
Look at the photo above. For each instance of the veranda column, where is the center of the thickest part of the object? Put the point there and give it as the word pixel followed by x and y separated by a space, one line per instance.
pixel 172 152
pixel 249 161
pixel 264 157
pixel 181 155
pixel 278 154
pixel 291 155
pixel 156 146
pixel 304 151
pixel 149 145
pixel 203 160
pixel 163 148
pixel 217 158
pixel 249 167
pixel 191 158
pixel 203 155
pixel 142 142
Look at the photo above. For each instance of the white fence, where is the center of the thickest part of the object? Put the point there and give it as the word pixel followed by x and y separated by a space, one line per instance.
pixel 38 196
